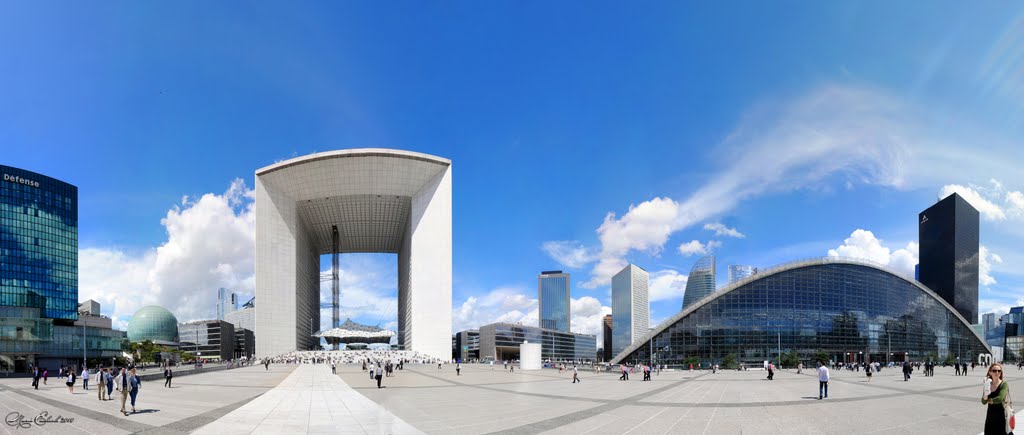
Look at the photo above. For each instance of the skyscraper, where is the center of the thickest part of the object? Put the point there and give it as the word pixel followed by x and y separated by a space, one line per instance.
pixel 738 272
pixel 701 281
pixel 607 333
pixel 226 302
pixel 988 321
pixel 553 297
pixel 630 309
pixel 948 235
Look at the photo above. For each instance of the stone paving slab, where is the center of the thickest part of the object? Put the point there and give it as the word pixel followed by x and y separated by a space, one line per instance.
pixel 192 402
pixel 311 400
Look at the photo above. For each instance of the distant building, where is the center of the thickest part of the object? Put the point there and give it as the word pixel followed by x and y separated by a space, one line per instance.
pixel 244 318
pixel 988 321
pixel 208 339
pixel 554 300
pixel 245 343
pixel 949 246
pixel 467 345
pixel 738 272
pixel 89 308
pixel 701 281
pixel 153 323
pixel 606 324
pixel 630 307
pixel 500 341
pixel 227 302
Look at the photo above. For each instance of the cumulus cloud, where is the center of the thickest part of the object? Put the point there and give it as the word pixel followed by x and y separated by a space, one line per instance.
pixel 985 260
pixel 209 245
pixel 571 254
pixel 695 247
pixel 722 230
pixel 666 284
pixel 988 209
pixel 863 244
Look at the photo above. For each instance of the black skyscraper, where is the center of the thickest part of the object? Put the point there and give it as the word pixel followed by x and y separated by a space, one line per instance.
pixel 948 235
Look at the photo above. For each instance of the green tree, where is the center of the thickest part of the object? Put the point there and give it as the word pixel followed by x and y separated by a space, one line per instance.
pixel 950 359
pixel 821 356
pixel 729 362
pixel 692 360
pixel 790 359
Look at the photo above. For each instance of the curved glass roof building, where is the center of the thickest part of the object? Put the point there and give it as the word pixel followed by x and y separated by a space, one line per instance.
pixel 153 323
pixel 851 310
pixel 701 281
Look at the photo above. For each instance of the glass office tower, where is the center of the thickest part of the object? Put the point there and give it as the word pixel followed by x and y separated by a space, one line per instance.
pixel 630 308
pixel 948 236
pixel 39 244
pixel 842 310
pixel 553 297
pixel 701 281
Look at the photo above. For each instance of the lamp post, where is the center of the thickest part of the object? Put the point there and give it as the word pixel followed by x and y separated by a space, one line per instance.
pixel 84 362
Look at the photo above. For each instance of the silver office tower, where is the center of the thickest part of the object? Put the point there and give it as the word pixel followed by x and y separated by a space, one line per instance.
pixel 701 281
pixel 553 298
pixel 630 308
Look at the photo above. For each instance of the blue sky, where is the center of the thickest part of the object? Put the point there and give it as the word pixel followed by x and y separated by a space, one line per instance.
pixel 583 135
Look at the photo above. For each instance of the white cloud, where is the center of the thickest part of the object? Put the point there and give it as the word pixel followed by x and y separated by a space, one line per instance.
pixel 666 284
pixel 987 208
pixel 695 247
pixel 986 259
pixel 210 244
pixel 863 244
pixel 722 230
pixel 1015 201
pixel 571 254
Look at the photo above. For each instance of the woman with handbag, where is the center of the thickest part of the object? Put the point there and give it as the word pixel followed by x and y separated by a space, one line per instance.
pixel 998 420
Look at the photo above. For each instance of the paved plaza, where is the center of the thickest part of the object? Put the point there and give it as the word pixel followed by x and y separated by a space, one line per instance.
pixel 424 399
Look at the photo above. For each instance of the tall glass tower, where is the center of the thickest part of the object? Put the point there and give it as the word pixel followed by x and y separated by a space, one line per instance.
pixel 630 308
pixel 553 297
pixel 948 236
pixel 701 281
pixel 38 246
pixel 227 302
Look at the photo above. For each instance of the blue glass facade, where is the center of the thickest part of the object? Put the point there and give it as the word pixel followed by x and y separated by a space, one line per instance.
pixel 700 282
pixel 39 244
pixel 554 301
pixel 848 309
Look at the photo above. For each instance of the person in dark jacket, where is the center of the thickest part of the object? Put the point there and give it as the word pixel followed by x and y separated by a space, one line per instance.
pixel 168 374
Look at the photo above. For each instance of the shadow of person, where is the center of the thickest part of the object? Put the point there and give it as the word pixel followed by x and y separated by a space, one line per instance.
pixel 146 411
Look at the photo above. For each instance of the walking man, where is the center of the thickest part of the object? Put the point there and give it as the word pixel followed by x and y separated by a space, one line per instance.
pixel 101 384
pixel 957 365
pixel 458 369
pixel 822 381
pixel 85 378
pixel 121 384
pixel 575 375
pixel 379 374
pixel 168 374
pixel 334 368
pixel 35 378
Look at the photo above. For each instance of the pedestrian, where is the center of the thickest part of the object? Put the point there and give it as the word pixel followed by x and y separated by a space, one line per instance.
pixel 625 376
pixel 46 375
pixel 575 375
pixel 35 378
pixel 379 374
pixel 439 365
pixel 512 367
pixel 334 368
pixel 458 369
pixel 823 378
pixel 168 375
pixel 997 393
pixel 71 381
pixel 101 384
pixel 85 378
pixel 110 382
pixel 965 369
pixel 134 383
pixel 867 371
pixel 799 368
pixel 957 366
pixel 121 383
pixel 372 368
pixel 906 371
pixel 492 365
pixel 771 371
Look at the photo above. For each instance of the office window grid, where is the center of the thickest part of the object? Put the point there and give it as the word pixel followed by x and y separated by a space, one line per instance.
pixel 39 245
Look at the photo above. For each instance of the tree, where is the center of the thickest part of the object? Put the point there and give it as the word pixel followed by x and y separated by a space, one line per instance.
pixel 790 359
pixel 692 360
pixel 729 361
pixel 821 356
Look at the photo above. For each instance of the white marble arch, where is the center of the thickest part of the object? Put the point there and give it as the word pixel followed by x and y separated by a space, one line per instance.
pixel 381 200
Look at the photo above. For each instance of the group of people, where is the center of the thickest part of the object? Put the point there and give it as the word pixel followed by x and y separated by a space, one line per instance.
pixel 106 380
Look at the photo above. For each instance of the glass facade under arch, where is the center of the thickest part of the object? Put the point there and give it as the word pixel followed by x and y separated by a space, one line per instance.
pixel 849 311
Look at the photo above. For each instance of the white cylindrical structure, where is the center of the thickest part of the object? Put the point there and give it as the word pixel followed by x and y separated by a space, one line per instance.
pixel 529 356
